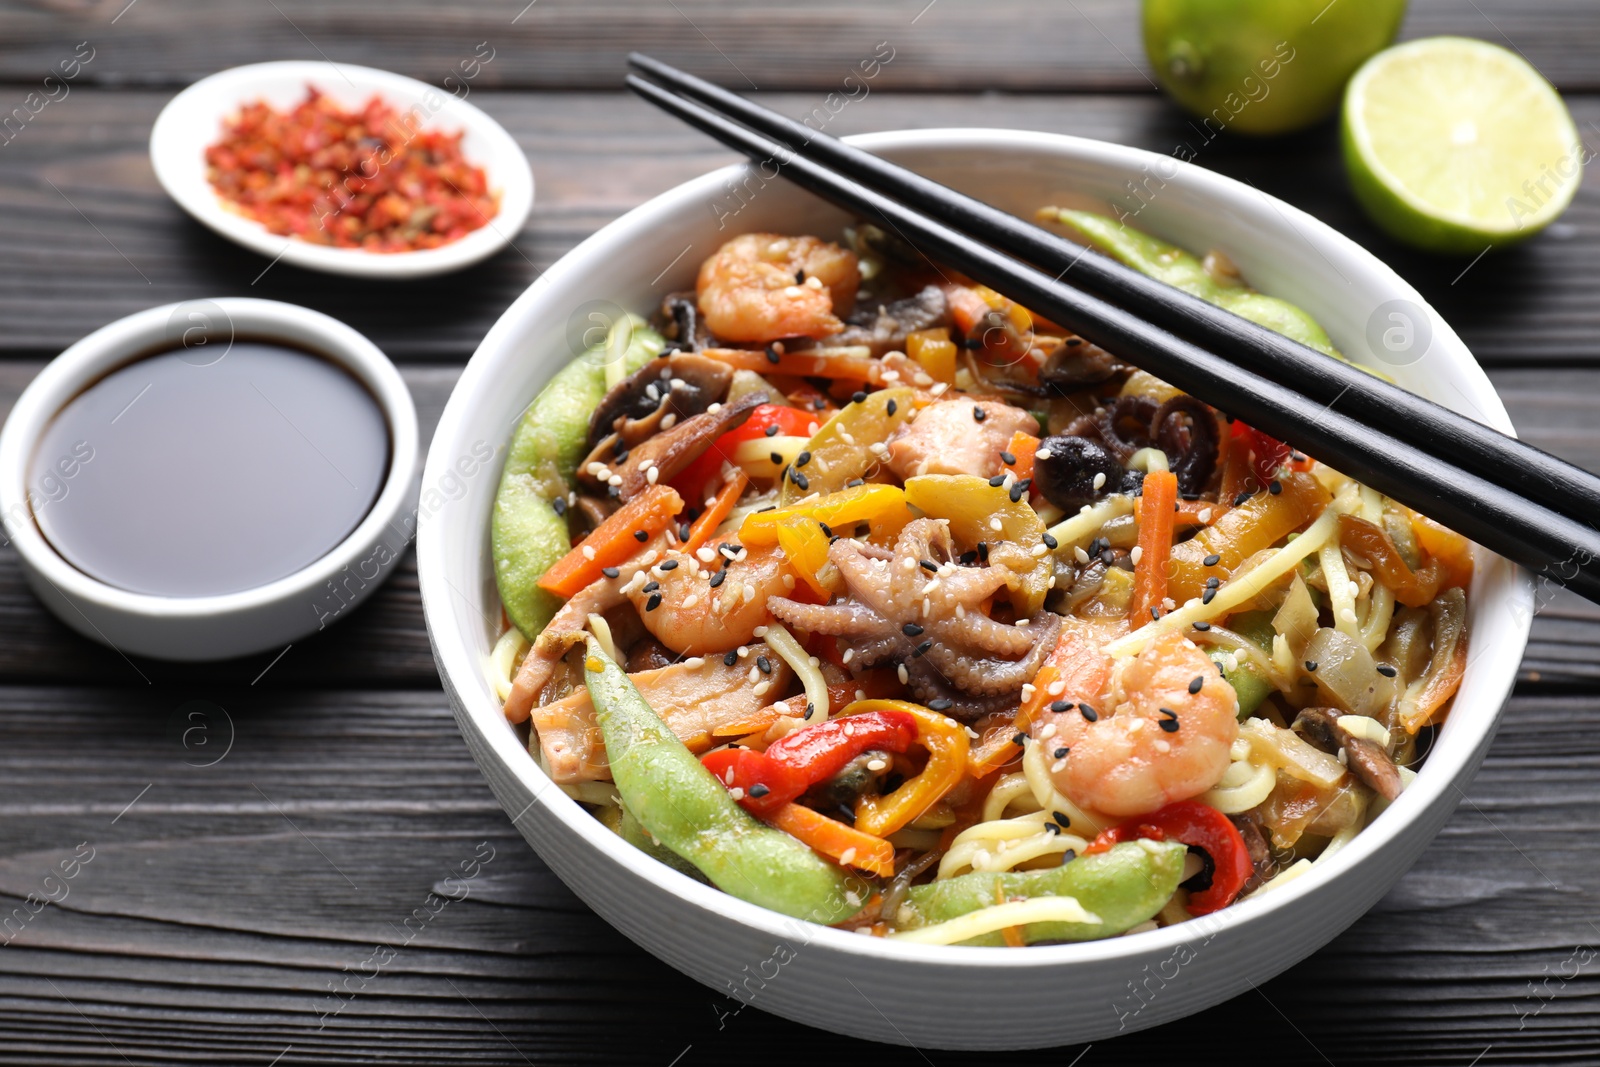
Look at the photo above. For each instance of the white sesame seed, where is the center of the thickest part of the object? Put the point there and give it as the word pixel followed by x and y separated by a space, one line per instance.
pixel 669 420
pixel 788 581
pixel 737 793
pixel 921 379
pixel 1100 480
pixel 861 694
pixel 939 388
pixel 1039 550
pixel 1058 766
pixel 996 525
pixel 743 651
pixel 694 663
pixel 714 408
pixel 1205 515
pixel 755 675
pixel 849 654
pixel 760 688
pixel 905 675
pixel 1043 453
pixel 749 592
pixel 877 764
pixel 706 554
pixel 1079 554
pixel 1137 554
pixel 690 601
pixel 1048 732
pixel 588 552
pixel 891 376
pixel 615 479
pixel 1057 687
pixel 1027 691
pixel 847 857
pixel 759 631
pixel 651 474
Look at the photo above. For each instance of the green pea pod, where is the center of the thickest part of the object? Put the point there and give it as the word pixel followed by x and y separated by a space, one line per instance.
pixel 621 822
pixel 1181 270
pixel 687 810
pixel 1122 886
pixel 526 533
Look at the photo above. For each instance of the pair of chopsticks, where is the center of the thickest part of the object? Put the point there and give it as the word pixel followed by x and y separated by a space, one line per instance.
pixel 1508 496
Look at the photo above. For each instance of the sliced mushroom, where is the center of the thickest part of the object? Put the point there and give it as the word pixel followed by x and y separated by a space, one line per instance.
pixel 883 327
pixel 684 328
pixel 1068 477
pixel 1255 843
pixel 1320 728
pixel 1186 430
pixel 1077 364
pixel 856 777
pixel 661 395
pixel 671 450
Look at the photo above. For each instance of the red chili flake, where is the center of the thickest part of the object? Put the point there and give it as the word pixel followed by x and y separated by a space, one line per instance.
pixel 372 179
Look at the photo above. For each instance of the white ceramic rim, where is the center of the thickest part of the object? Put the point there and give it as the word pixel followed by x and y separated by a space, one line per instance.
pixel 1453 755
pixel 192 119
pixel 121 342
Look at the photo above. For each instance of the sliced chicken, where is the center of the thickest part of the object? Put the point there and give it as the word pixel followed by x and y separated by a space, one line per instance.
pixel 957 437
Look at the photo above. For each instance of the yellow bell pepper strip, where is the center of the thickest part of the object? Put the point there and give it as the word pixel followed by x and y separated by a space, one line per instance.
pixel 982 513
pixel 883 507
pixel 947 744
pixel 1160 496
pixel 614 541
pixel 1452 550
pixel 834 839
pixel 1370 541
pixel 805 546
pixel 1182 270
pixel 1120 888
pixel 528 528
pixel 682 806
pixel 936 353
pixel 839 450
pixel 1257 523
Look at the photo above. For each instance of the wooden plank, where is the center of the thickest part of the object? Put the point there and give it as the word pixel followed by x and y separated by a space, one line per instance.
pixel 63 273
pixel 570 44
pixel 215 915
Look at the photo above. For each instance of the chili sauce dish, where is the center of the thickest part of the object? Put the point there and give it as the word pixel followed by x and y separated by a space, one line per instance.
pixel 210 479
pixel 851 616
pixel 343 169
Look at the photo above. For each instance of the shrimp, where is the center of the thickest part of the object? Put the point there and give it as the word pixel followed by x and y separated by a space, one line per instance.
pixel 763 286
pixel 684 611
pixel 1160 733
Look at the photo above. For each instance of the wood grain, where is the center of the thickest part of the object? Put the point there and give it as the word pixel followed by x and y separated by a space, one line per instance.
pixel 90 236
pixel 940 45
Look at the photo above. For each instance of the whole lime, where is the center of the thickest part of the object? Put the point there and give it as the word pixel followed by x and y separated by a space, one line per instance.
pixel 1263 66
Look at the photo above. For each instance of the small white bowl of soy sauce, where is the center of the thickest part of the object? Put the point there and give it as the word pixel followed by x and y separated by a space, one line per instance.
pixel 210 479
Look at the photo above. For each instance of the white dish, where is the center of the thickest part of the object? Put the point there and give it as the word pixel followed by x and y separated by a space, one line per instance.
pixel 949 997
pixel 193 120
pixel 233 624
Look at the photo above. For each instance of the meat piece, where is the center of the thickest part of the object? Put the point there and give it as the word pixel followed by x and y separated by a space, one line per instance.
pixel 948 438
pixel 692 700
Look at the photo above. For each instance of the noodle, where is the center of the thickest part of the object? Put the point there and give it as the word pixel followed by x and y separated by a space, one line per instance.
pixel 998 917
pixel 501 665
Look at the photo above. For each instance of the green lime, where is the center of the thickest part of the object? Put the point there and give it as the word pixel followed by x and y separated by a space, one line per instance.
pixel 1455 145
pixel 1263 66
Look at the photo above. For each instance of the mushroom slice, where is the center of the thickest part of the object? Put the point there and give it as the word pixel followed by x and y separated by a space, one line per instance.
pixel 663 456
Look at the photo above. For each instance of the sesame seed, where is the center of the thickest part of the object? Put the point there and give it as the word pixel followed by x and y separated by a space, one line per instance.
pixel 1311 665
pixel 858 396
pixel 997 481
pixel 1208 595
pixel 1198 682
pixel 1060 819
pixel 922 649
pixel 1212 560
pixel 758 790
pixel 1088 713
pixel 1060 706
pixel 1202 626
pixel 1050 542
pixel 905 675
pixel 669 565
pixel 730 659
pixel 610 572
pixel 1275 488
pixel 1242 497
pixel 764 665
pixel 640 536
pixel 772 355
pixel 588 552
pixel 1137 554
pixel 941 704
pixel 1043 453
pixel 1019 489
pixel 1213 582
pixel 559 506
pixel 799 479
pixel 1019 738
pixel 978 414
pixel 1169 725
pixel 890 408
pixel 718 578
pixel 802 459
pixel 855 483
pixel 1386 670
pixel 653 603
pixel 911 629
pixel 771 431
pixel 1008 459
pixel 1100 480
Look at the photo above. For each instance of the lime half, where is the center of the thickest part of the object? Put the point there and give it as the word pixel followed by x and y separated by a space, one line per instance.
pixel 1455 145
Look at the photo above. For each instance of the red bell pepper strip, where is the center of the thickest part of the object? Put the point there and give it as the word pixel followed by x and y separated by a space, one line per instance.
pixel 1270 453
pixel 1199 826
pixel 809 756
pixel 707 469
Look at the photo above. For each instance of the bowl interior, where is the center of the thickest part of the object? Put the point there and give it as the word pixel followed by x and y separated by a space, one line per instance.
pixel 193 120
pixel 658 247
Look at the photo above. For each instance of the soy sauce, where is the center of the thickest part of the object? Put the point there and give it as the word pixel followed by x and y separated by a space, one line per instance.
pixel 187 474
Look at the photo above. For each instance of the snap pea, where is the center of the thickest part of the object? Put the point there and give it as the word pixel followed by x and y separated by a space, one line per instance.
pixel 1182 270
pixel 1123 886
pixel 687 810
pixel 621 822
pixel 526 532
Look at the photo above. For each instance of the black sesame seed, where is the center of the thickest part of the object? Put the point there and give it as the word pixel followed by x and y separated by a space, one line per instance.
pixel 1155 614
pixel 978 414
pixel 1202 626
pixel 1386 670
pixel 776 457
pixel 653 603
pixel 1213 582
pixel 928 565
pixel 640 536
pixel 968 557
pixel 1311 665
pixel 1061 753
pixel 772 355
pixel 772 431
pixel 683 532
pixel 613 492
pixel 1275 488
pixel 764 665
pixel 1061 819
pixel 998 480
pixel 1089 714
pixel 758 791
pixel 890 408
pixel 1051 827
pixel 730 659
pixel 718 578
pixel 1209 595
pixel 858 396
pixel 1050 542
pixel 799 479
pixel 1019 489
pixel 911 629
pixel 1212 560
pixel 941 704
pixel 799 277
pixel 1061 705
pixel 818 403
pixel 1198 682
pixel 1018 738
pixel 669 564
pixel 1242 497
pixel 610 572
pixel 559 505
pixel 983 551
pixel 827 531
pixel 621 454
pixel 802 459
pixel 923 649
pixel 1008 459
pixel 1169 725
pixel 650 587
pixel 1169 713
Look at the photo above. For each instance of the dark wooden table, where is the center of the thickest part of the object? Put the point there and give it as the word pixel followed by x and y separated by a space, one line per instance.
pixel 258 827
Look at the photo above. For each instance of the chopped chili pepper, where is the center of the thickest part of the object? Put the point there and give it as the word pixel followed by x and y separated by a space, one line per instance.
pixel 369 178
pixel 1198 826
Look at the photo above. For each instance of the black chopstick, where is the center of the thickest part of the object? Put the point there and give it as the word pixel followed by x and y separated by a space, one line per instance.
pixel 1493 515
pixel 1473 446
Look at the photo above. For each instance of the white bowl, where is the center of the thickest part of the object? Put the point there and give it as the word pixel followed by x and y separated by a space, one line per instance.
pixel 948 997
pixel 232 624
pixel 193 119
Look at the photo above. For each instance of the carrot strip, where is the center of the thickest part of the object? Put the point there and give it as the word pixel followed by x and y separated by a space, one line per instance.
pixel 802 364
pixel 712 517
pixel 1187 512
pixel 1155 544
pixel 834 839
pixel 1023 446
pixel 614 541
